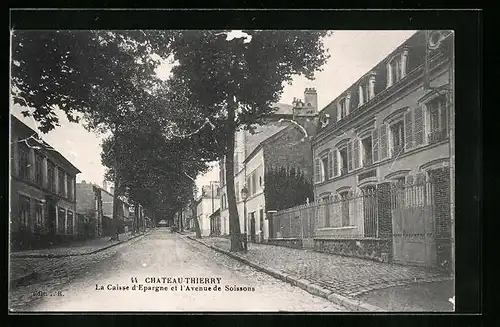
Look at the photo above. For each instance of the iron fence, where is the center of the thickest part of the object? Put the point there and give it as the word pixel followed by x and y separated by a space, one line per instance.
pixel 367 213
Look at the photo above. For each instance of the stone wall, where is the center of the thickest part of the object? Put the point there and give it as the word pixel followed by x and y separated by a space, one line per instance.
pixel 374 249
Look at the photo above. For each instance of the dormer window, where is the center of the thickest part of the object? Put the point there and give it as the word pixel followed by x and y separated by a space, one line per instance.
pixel 343 108
pixel 366 89
pixel 396 67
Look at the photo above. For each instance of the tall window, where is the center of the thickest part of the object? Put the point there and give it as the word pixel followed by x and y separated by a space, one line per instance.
pixel 24 162
pixel 438 122
pixel 62 183
pixel 70 188
pixel 398 137
pixel 70 222
pixel 24 211
pixel 395 69
pixel 343 108
pixel 254 182
pixel 324 168
pixel 237 188
pixel 364 93
pixel 345 208
pixel 38 215
pixel 38 169
pixel 343 161
pixel 366 143
pixel 61 220
pixel 51 177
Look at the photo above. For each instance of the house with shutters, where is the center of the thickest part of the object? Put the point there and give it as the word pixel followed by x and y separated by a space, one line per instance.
pixel 385 128
pixel 42 191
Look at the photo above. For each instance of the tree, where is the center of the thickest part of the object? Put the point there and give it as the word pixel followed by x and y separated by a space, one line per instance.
pixel 101 74
pixel 232 82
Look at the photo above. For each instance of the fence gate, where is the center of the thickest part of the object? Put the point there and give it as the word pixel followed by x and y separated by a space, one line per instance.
pixel 413 223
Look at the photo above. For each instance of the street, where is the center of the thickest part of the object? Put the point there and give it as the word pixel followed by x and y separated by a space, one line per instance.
pixel 163 267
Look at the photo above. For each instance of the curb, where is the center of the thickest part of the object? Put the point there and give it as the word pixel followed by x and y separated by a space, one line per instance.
pixel 306 285
pixel 74 254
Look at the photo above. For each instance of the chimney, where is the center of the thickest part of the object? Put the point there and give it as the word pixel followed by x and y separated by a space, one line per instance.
pixel 311 99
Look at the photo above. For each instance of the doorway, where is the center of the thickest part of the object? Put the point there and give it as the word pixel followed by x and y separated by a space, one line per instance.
pixel 252 227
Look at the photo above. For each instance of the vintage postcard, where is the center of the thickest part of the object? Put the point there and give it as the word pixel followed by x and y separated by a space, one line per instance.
pixel 232 170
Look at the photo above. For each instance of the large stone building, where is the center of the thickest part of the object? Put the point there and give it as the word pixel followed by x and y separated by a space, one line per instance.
pixel 42 191
pixel 279 143
pixel 388 127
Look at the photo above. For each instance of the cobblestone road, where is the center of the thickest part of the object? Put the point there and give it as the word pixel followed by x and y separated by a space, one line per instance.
pixel 70 283
pixel 347 276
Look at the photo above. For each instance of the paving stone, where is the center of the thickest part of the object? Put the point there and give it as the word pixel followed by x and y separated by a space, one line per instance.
pixel 343 275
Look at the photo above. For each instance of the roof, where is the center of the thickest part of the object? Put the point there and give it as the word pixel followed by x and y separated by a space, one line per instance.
pixel 416 55
pixel 26 131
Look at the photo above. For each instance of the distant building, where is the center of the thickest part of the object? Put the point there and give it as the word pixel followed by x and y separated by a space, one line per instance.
pixel 42 191
pixel 96 204
pixel 206 204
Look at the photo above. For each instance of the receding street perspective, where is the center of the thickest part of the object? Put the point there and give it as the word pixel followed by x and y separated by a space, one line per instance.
pixel 232 171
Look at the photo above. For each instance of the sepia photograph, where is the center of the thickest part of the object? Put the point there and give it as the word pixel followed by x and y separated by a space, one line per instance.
pixel 232 171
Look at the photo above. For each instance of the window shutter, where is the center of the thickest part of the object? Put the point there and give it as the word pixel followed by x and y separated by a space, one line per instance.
pixel 375 145
pixel 418 128
pixel 349 156
pixel 335 163
pixel 330 164
pixel 317 171
pixel 383 141
pixel 409 130
pixel 356 153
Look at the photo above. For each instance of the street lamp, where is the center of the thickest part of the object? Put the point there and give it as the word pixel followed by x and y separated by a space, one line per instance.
pixel 244 196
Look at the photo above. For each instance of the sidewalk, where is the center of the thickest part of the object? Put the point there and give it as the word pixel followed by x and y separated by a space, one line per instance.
pixel 24 265
pixel 386 286
pixel 76 248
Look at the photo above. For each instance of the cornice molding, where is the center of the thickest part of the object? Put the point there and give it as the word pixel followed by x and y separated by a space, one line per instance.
pixel 395 115
pixel 399 173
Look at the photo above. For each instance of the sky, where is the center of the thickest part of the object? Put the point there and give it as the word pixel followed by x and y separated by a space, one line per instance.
pixel 352 54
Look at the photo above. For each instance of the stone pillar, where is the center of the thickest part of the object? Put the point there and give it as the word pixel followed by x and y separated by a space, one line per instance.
pixel 384 210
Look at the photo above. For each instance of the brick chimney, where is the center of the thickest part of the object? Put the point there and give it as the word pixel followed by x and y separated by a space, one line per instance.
pixel 311 98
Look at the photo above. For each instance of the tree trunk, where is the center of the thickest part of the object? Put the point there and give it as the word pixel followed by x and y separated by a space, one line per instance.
pixel 195 219
pixel 234 221
pixel 180 225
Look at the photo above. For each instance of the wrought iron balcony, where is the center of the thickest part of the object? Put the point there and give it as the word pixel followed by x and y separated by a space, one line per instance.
pixel 437 136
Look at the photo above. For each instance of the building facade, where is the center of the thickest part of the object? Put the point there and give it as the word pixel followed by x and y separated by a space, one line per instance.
pixel 276 144
pixel 95 204
pixel 387 129
pixel 206 205
pixel 42 191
